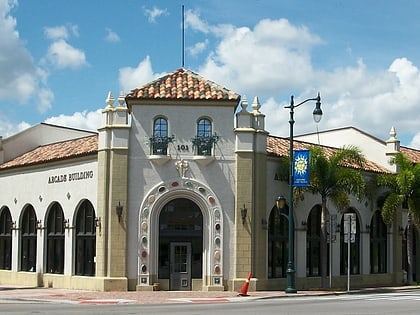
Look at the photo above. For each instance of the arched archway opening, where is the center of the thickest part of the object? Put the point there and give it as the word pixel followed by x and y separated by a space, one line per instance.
pixel 85 249
pixel 180 243
pixel 28 240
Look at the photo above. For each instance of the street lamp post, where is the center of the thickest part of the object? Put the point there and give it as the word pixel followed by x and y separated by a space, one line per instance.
pixel 317 114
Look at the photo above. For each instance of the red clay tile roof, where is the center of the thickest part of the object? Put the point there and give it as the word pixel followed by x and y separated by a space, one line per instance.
pixel 183 84
pixel 412 154
pixel 276 146
pixel 56 151
pixel 280 147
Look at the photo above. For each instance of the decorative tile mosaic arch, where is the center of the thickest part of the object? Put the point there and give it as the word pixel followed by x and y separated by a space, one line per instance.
pixel 148 239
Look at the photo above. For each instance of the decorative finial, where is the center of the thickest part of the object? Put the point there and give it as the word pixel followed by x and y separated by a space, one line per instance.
pixel 244 103
pixel 121 99
pixel 256 104
pixel 392 135
pixel 110 99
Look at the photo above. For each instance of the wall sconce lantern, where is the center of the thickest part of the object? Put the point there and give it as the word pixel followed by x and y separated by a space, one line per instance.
pixel 244 212
pixel 98 224
pixel 368 228
pixel 118 211
pixel 39 224
pixel 66 223
pixel 303 223
pixel 280 202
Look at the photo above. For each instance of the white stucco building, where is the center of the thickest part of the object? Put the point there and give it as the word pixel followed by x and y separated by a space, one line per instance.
pixel 173 191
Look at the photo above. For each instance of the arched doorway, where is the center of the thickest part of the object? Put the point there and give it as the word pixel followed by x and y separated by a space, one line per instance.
pixel 180 243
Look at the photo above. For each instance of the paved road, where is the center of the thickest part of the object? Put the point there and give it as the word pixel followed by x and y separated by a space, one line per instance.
pixel 405 302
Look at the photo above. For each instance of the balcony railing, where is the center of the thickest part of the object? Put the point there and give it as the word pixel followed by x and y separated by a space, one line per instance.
pixel 204 145
pixel 159 145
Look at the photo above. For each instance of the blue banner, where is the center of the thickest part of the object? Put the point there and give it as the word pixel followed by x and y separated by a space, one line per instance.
pixel 301 168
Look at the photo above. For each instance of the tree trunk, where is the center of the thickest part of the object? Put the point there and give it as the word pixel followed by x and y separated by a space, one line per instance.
pixel 324 245
pixel 409 249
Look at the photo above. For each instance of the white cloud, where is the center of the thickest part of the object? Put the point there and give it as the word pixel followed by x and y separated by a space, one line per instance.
pixel 20 79
pixel 8 128
pixel 198 48
pixel 82 120
pixel 61 31
pixel 154 13
pixel 415 142
pixel 193 20
pixel 111 36
pixel 46 98
pixel 57 32
pixel 272 53
pixel 274 60
pixel 130 78
pixel 62 55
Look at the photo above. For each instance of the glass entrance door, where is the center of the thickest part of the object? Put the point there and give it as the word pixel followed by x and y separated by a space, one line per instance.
pixel 180 263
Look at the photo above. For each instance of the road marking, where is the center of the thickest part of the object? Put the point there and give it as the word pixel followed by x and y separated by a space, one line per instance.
pixel 110 301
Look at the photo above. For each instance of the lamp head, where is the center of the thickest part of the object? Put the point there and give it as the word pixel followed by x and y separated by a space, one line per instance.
pixel 280 202
pixel 317 113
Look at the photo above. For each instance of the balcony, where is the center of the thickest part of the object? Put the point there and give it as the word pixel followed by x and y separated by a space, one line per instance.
pixel 159 149
pixel 203 147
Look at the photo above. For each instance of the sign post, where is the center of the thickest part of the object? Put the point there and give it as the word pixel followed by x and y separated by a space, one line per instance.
pixel 349 237
pixel 331 238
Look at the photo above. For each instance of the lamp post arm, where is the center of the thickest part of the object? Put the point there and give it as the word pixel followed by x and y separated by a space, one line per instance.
pixel 292 104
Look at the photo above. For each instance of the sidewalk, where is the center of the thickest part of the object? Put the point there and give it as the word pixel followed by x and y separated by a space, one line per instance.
pixel 11 294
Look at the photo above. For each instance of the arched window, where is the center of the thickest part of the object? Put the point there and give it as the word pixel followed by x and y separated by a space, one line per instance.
pixel 55 239
pixel 28 240
pixel 159 141
pixel 378 244
pixel 5 239
pixel 354 249
pixel 85 240
pixel 313 243
pixel 277 243
pixel 204 140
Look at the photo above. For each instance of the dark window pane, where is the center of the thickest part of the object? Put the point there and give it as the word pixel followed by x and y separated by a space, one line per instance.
pixel 55 240
pixel 5 239
pixel 277 244
pixel 28 240
pixel 85 240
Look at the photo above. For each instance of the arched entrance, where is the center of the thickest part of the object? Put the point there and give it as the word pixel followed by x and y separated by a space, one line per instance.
pixel 180 243
pixel 184 215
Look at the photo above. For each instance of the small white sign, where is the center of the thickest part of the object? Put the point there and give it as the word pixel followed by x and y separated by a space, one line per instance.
pixel 350 227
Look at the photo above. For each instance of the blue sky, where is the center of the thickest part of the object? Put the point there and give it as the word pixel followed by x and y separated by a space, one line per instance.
pixel 59 58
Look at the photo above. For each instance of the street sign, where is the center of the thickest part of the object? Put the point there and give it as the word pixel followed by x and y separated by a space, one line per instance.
pixel 331 224
pixel 349 236
pixel 350 227
pixel 352 238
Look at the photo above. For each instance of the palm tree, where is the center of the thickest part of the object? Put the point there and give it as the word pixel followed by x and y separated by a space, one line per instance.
pixel 334 176
pixel 404 188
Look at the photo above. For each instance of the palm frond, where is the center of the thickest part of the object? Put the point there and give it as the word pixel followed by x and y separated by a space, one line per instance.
pixel 340 199
pixel 405 180
pixel 350 156
pixel 391 204
pixel 387 180
pixel 351 181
